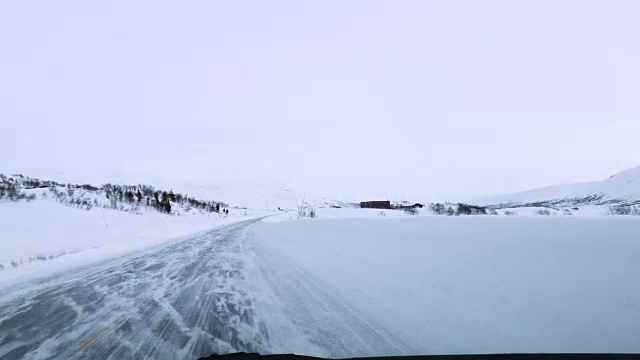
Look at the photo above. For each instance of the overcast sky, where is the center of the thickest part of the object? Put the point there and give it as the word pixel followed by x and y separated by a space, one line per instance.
pixel 439 98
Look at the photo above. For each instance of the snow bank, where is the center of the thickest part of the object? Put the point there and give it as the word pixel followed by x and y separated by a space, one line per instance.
pixel 357 213
pixel 589 210
pixel 479 284
pixel 338 213
pixel 42 237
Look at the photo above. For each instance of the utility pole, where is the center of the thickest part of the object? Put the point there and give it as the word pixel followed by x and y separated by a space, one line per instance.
pixel 104 219
pixel 301 206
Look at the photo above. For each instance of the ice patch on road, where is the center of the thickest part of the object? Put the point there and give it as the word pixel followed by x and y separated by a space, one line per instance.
pixel 306 316
pixel 468 284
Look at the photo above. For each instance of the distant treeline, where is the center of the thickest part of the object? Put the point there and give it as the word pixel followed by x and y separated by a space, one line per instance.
pixel 11 190
pixel 624 210
pixel 158 199
pixel 460 209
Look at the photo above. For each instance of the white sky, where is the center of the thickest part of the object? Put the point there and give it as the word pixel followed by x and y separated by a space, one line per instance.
pixel 439 98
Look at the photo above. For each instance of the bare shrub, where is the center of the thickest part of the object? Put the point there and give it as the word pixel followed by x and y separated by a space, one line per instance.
pixel 411 211
pixel 438 208
pixel 450 211
pixel 619 210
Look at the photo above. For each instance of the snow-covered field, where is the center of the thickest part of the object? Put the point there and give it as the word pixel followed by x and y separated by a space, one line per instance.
pixel 459 284
pixel 343 213
pixel 581 211
pixel 41 237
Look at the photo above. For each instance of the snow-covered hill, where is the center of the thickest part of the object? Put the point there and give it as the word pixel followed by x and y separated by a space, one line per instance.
pixel 621 189
pixel 250 194
pixel 47 225
pixel 75 222
pixel 44 236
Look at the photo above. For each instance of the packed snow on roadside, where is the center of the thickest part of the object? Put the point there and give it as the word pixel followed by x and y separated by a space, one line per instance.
pixel 356 213
pixel 477 284
pixel 42 236
pixel 333 213
pixel 586 210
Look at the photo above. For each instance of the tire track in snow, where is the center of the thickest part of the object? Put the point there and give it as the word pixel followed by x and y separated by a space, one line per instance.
pixel 305 315
pixel 184 300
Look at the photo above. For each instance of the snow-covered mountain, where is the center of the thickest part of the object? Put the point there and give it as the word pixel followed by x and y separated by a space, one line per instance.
pixel 622 188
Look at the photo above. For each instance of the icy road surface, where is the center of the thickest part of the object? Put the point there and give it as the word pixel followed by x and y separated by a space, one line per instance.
pixel 183 300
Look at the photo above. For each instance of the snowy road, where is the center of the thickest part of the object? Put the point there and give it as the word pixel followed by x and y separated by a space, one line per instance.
pixel 184 300
pixel 309 317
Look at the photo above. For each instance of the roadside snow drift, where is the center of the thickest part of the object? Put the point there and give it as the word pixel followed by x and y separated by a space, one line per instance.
pixel 41 237
pixel 455 284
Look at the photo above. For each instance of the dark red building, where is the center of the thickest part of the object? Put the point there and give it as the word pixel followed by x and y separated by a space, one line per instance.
pixel 376 204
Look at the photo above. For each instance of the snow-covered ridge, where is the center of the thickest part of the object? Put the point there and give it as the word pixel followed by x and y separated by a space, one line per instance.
pixel 622 189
